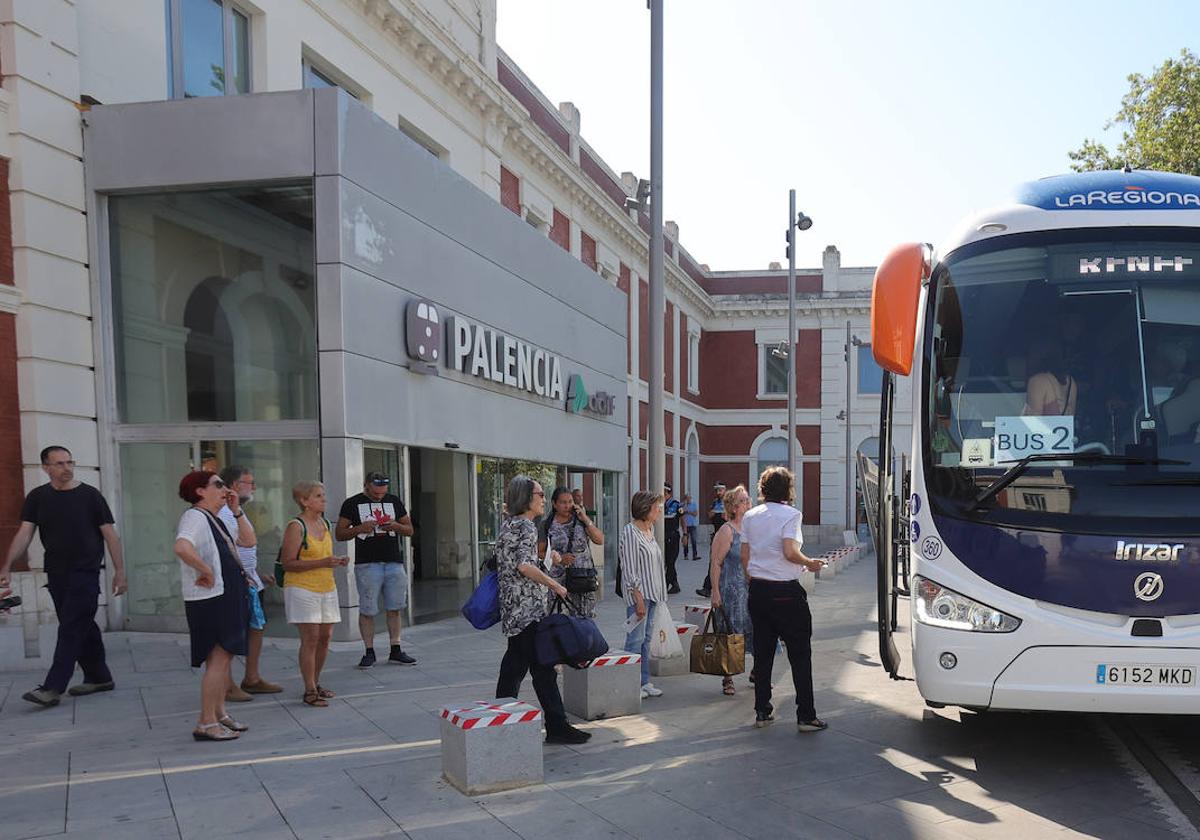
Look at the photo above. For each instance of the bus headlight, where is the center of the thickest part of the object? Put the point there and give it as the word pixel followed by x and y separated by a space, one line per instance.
pixel 938 606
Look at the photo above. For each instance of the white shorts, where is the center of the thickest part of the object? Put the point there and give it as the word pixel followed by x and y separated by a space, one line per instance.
pixel 304 607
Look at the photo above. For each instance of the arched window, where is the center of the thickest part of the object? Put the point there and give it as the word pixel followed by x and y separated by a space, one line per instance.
pixel 772 452
pixel 692 471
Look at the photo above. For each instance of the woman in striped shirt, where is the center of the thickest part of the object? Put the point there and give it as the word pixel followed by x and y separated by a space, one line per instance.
pixel 644 577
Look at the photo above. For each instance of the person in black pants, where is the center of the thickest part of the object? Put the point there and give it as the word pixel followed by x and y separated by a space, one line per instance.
pixel 75 525
pixel 523 603
pixel 672 520
pixel 771 541
pixel 716 518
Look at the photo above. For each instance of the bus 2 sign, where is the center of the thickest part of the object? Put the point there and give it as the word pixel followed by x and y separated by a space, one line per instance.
pixel 1016 437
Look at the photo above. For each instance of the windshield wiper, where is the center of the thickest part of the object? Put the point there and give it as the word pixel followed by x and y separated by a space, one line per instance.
pixel 1019 468
pixel 1166 481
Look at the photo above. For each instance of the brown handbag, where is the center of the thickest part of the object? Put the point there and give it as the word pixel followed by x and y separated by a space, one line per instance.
pixel 717 651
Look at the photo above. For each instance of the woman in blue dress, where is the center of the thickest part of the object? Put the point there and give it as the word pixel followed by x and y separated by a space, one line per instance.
pixel 729 585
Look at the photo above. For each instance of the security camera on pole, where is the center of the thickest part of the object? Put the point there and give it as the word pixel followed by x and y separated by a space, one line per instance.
pixel 795 222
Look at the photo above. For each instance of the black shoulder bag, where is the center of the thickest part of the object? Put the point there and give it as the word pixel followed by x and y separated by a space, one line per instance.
pixel 579 580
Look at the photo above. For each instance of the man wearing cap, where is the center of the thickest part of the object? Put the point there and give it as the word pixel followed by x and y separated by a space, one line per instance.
pixel 376 519
pixel 671 523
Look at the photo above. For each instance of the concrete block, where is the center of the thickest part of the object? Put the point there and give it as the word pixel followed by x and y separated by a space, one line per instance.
pixel 491 745
pixel 809 581
pixel 830 569
pixel 696 614
pixel 849 538
pixel 676 665
pixel 610 687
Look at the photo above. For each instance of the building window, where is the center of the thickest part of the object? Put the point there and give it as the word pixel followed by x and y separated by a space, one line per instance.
pixel 772 371
pixel 870 374
pixel 214 301
pixel 587 251
pixel 510 191
pixel 560 231
pixel 693 371
pixel 314 77
pixel 422 139
pixel 209 49
pixel 772 452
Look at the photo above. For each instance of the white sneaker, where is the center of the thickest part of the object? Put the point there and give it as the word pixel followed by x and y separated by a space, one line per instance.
pixel 648 690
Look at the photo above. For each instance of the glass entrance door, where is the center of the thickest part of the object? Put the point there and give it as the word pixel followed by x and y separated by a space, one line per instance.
pixel 150 508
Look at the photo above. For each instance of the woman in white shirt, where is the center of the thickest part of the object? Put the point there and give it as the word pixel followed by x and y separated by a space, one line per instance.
pixel 644 576
pixel 771 540
pixel 215 599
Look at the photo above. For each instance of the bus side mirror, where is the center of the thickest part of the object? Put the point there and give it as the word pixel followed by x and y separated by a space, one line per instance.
pixel 894 299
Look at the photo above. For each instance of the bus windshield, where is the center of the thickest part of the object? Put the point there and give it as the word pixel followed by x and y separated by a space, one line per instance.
pixel 1067 342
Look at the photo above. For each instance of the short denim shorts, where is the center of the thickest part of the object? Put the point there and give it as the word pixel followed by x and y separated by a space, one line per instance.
pixel 375 579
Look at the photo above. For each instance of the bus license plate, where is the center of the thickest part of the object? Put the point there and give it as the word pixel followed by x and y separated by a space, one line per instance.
pixel 1180 676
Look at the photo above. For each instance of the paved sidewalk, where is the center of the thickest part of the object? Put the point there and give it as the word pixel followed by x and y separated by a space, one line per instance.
pixel 124 765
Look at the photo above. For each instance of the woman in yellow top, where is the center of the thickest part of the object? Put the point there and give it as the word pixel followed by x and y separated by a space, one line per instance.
pixel 309 592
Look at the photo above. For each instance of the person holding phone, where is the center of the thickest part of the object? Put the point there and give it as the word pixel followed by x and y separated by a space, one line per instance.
pixel 309 591
pixel 375 520
pixel 214 598
pixel 569 531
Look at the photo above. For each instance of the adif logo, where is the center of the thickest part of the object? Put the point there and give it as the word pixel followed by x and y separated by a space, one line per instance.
pixel 424 334
pixel 1132 265
pixel 1129 196
pixel 579 401
pixel 1148 552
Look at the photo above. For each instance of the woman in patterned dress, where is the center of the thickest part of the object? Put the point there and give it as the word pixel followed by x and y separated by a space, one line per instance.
pixel 569 532
pixel 523 603
pixel 729 587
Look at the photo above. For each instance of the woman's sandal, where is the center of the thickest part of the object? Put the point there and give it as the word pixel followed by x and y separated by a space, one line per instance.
pixel 325 693
pixel 230 723
pixel 727 686
pixel 312 698
pixel 204 732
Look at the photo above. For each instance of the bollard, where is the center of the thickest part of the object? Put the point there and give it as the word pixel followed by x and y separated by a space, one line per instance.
pixel 491 745
pixel 696 613
pixel 830 569
pixel 676 665
pixel 610 687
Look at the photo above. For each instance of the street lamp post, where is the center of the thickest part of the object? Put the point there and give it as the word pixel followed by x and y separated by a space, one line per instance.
pixel 656 442
pixel 795 222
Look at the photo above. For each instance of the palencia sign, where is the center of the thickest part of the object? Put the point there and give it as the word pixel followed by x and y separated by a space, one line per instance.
pixel 491 354
pixel 478 350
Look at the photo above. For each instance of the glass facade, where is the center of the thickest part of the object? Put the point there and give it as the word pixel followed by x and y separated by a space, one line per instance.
pixel 214 305
pixel 214 321
pixel 150 505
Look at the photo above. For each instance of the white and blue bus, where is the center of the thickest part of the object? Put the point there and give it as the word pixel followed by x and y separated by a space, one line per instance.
pixel 1051 513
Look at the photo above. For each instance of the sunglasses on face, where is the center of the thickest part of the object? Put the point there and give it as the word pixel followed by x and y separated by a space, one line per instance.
pixel 218 483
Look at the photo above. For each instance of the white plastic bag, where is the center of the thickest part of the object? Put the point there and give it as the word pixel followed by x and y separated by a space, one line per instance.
pixel 664 641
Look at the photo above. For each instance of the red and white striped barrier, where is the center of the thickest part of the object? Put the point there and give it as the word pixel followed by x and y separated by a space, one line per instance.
pixel 682 629
pixel 696 614
pixel 616 659
pixel 482 714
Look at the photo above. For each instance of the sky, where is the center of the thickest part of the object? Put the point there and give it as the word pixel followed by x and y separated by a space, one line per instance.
pixel 892 119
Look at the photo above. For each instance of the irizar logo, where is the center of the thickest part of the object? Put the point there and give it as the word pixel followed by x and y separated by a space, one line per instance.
pixel 1132 265
pixel 1148 586
pixel 1148 552
pixel 1129 196
pixel 579 401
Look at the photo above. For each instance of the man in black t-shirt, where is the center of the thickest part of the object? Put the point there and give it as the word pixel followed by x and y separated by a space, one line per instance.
pixel 75 524
pixel 375 519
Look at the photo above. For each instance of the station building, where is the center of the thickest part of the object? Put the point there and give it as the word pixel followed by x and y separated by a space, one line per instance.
pixel 325 237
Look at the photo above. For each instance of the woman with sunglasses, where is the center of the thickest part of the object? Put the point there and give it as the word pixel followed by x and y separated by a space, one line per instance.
pixel 215 599
pixel 523 603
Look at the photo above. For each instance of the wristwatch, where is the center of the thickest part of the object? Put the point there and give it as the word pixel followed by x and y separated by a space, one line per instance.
pixel 239 514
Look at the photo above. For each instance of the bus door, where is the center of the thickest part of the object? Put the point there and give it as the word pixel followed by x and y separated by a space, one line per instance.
pixel 887 571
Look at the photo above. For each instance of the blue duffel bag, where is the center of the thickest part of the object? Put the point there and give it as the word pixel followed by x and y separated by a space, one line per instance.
pixel 482 609
pixel 567 639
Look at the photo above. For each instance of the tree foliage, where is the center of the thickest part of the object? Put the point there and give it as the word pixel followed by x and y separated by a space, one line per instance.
pixel 1161 115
